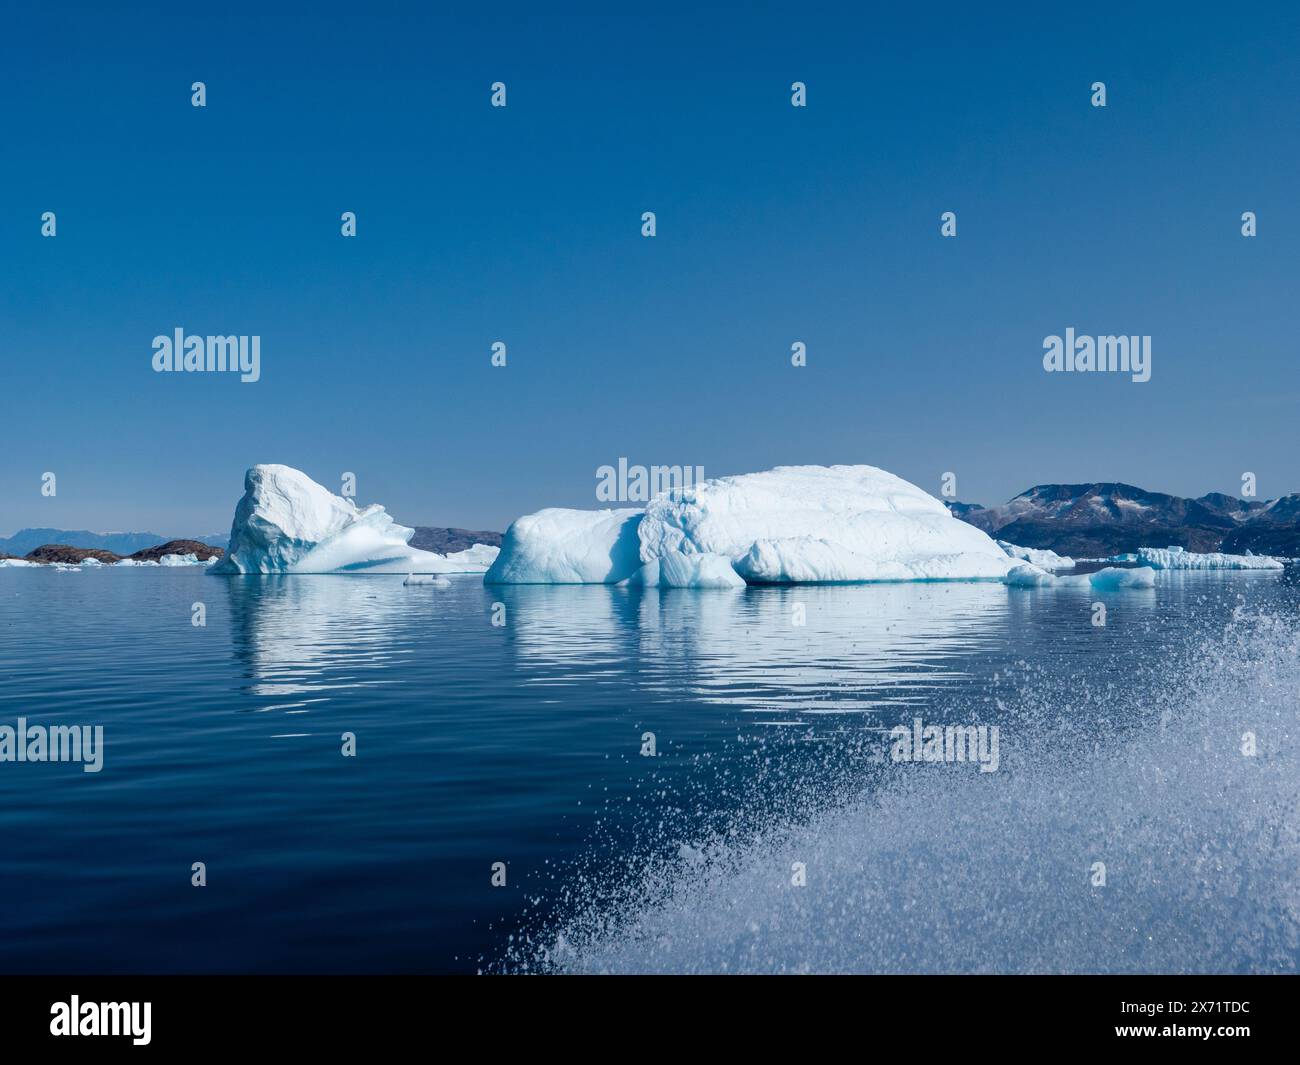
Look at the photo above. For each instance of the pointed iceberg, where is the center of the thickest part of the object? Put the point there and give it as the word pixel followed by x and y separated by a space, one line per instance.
pixel 287 523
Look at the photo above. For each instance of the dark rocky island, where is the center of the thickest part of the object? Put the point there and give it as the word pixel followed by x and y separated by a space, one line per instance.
pixel 74 556
pixel 201 551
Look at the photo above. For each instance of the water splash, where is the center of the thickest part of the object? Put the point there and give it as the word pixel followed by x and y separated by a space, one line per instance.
pixel 943 869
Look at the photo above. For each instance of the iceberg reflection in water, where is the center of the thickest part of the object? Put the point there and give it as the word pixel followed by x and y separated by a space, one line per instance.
pixel 812 649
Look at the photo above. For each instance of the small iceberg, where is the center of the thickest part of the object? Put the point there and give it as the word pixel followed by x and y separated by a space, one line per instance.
pixel 190 559
pixel 1178 558
pixel 287 523
pixel 1030 576
pixel 426 580
pixel 1115 577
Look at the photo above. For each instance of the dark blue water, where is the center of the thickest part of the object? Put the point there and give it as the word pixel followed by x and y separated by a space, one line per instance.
pixel 521 744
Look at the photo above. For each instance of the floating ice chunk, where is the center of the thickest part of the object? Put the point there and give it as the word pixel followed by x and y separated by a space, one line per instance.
pixel 1048 560
pixel 1029 576
pixel 287 523
pixel 1113 577
pixel 790 524
pixel 1178 558
pixel 190 559
pixel 16 563
pixel 427 580
pixel 557 546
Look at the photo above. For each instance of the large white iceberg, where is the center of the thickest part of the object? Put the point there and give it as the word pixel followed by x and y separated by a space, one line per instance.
pixel 790 524
pixel 1178 558
pixel 287 523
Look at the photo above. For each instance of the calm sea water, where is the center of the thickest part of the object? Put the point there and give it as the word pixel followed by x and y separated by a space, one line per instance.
pixel 522 744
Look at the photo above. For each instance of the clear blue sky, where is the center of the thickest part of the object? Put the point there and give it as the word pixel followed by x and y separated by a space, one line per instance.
pixel 523 225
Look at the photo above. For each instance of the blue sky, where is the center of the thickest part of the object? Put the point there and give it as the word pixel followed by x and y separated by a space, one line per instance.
pixel 522 224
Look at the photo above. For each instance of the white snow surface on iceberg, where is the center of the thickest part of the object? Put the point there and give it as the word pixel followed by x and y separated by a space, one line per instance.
pixel 1178 558
pixel 287 523
pixel 790 524
pixel 1043 559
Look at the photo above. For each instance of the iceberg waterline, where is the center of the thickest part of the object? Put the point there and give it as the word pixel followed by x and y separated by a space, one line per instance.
pixel 287 523
pixel 792 524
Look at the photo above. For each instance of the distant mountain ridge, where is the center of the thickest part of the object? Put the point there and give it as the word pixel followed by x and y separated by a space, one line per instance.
pixel 118 543
pixel 1108 518
pixel 449 540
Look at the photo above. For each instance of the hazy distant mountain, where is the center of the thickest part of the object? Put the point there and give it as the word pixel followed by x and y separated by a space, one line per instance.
pixel 119 543
pixel 445 541
pixel 1095 520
